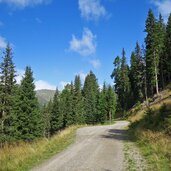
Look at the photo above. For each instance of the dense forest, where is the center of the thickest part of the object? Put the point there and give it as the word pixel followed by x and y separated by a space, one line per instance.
pixel 150 66
pixel 21 118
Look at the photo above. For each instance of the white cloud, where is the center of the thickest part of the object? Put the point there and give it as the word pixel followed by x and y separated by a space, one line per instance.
pixel 40 84
pixel 24 3
pixel 86 45
pixel 62 85
pixel 82 75
pixel 20 74
pixel 96 63
pixel 92 9
pixel 164 6
pixel 3 42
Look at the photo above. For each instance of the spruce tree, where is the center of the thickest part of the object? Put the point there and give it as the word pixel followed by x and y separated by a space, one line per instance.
pixel 102 105
pixel 116 75
pixel 90 93
pixel 125 83
pixel 29 119
pixel 111 103
pixel 152 53
pixel 168 51
pixel 137 74
pixel 7 93
pixel 56 121
pixel 78 101
pixel 122 81
pixel 162 56
pixel 66 105
pixel 46 114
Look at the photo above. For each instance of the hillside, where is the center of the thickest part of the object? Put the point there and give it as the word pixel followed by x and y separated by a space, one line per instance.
pixel 44 96
pixel 151 129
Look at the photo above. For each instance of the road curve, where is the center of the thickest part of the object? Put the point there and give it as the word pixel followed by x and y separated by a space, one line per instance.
pixel 97 148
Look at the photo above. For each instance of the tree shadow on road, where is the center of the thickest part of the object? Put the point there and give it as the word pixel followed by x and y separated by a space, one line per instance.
pixel 117 134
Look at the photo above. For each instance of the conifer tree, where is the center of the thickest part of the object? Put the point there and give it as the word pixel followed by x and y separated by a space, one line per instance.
pixel 66 105
pixel 162 56
pixel 116 75
pixel 137 74
pixel 152 54
pixel 56 121
pixel 29 119
pixel 168 50
pixel 102 105
pixel 7 92
pixel 122 81
pixel 111 103
pixel 46 114
pixel 78 101
pixel 90 93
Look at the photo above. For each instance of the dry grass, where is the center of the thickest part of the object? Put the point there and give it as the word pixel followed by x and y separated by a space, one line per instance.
pixel 23 156
pixel 138 115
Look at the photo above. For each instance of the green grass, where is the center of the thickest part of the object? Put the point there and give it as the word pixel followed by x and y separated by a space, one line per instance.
pixel 151 130
pixel 156 148
pixel 24 156
pixel 152 135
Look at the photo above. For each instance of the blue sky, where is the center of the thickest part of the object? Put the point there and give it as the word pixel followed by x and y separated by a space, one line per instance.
pixel 62 38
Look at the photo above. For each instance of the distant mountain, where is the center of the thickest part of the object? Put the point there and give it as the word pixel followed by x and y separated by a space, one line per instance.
pixel 44 96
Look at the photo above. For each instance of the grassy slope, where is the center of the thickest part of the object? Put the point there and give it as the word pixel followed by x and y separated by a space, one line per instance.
pixel 151 136
pixel 24 156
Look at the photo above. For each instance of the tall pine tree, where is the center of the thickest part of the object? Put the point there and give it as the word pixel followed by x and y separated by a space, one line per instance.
pixel 137 74
pixel 122 81
pixel 90 93
pixel 78 101
pixel 168 50
pixel 56 121
pixel 7 93
pixel 29 119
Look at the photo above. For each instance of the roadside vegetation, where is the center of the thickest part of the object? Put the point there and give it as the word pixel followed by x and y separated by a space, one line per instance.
pixel 23 156
pixel 151 129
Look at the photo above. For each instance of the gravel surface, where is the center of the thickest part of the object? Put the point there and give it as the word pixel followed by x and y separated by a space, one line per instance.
pixel 97 148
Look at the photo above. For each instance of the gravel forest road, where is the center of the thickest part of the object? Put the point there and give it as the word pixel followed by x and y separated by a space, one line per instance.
pixel 97 148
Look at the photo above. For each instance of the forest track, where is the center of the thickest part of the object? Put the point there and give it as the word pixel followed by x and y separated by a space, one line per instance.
pixel 97 148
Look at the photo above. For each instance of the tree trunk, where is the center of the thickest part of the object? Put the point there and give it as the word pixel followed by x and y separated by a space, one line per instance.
pixel 156 80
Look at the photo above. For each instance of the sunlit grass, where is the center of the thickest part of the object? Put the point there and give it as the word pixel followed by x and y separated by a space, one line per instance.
pixel 154 145
pixel 23 156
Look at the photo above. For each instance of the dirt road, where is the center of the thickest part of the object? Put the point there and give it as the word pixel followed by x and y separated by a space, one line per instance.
pixel 97 148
